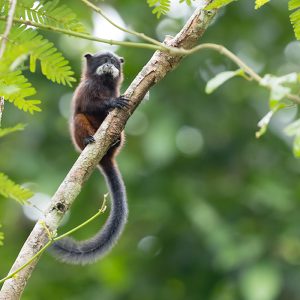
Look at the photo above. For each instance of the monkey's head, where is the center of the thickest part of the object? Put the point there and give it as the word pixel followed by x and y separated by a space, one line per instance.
pixel 104 65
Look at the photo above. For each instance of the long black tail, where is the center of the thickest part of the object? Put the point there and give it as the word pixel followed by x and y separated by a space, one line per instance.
pixel 70 251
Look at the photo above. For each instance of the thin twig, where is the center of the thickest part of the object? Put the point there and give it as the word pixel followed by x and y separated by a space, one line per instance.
pixel 52 240
pixel 160 46
pixel 130 31
pixel 84 35
pixel 9 23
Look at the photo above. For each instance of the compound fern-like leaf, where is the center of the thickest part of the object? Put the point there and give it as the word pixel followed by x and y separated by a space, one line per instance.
pixel 218 3
pixel 25 41
pixel 15 88
pixel 10 189
pixel 295 16
pixel 8 130
pixel 47 13
pixel 161 7
pixel 260 3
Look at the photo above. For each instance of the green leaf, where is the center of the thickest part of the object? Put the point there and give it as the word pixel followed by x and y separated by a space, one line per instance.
pixel 296 146
pixel 295 16
pixel 260 3
pixel 293 128
pixel 23 42
pixel 217 4
pixel 161 7
pixel 6 131
pixel 220 78
pixel 279 86
pixel 48 13
pixel 188 2
pixel 264 122
pixel 15 88
pixel 293 4
pixel 10 189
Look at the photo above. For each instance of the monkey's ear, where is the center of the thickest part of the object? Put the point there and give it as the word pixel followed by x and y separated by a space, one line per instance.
pixel 88 56
pixel 121 59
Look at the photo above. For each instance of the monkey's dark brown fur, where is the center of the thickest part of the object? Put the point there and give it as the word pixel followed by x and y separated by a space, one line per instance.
pixel 97 94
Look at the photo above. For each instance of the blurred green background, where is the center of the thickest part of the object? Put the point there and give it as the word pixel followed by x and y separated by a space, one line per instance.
pixel 214 212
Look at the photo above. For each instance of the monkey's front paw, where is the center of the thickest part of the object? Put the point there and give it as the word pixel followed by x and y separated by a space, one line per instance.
pixel 88 140
pixel 121 102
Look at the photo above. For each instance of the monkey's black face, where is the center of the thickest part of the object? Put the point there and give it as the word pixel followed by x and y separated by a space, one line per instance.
pixel 104 64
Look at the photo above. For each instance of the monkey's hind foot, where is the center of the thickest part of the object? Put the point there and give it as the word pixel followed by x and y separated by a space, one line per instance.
pixel 88 140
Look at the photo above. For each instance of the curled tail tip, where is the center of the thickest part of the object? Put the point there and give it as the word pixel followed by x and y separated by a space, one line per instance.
pixel 80 253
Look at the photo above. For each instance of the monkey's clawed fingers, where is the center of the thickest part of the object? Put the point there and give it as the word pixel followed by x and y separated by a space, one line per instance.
pixel 122 102
pixel 88 140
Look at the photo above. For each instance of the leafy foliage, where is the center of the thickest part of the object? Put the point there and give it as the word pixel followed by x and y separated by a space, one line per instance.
pixel 295 16
pixel 188 2
pixel 49 13
pixel 16 88
pixel 294 130
pixel 10 189
pixel 218 3
pixel 161 7
pixel 23 42
pixel 221 78
pixel 279 88
pixel 260 3
pixel 6 131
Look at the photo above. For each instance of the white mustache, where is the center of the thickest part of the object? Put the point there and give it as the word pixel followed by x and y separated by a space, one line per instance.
pixel 108 69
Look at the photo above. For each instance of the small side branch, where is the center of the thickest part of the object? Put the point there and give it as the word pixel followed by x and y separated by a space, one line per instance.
pixel 54 239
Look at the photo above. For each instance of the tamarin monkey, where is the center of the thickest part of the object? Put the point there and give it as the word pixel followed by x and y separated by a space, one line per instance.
pixel 97 94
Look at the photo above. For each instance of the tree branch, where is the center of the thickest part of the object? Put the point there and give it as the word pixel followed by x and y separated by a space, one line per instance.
pixel 159 65
pixel 9 22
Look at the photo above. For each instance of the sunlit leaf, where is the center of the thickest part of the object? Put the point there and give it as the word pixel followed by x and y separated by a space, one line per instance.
pixel 220 78
pixel 6 131
pixel 296 146
pixel 161 7
pixel 293 128
pixel 217 4
pixel 264 122
pixel 279 86
pixel 293 4
pixel 10 189
pixel 295 16
pixel 260 3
